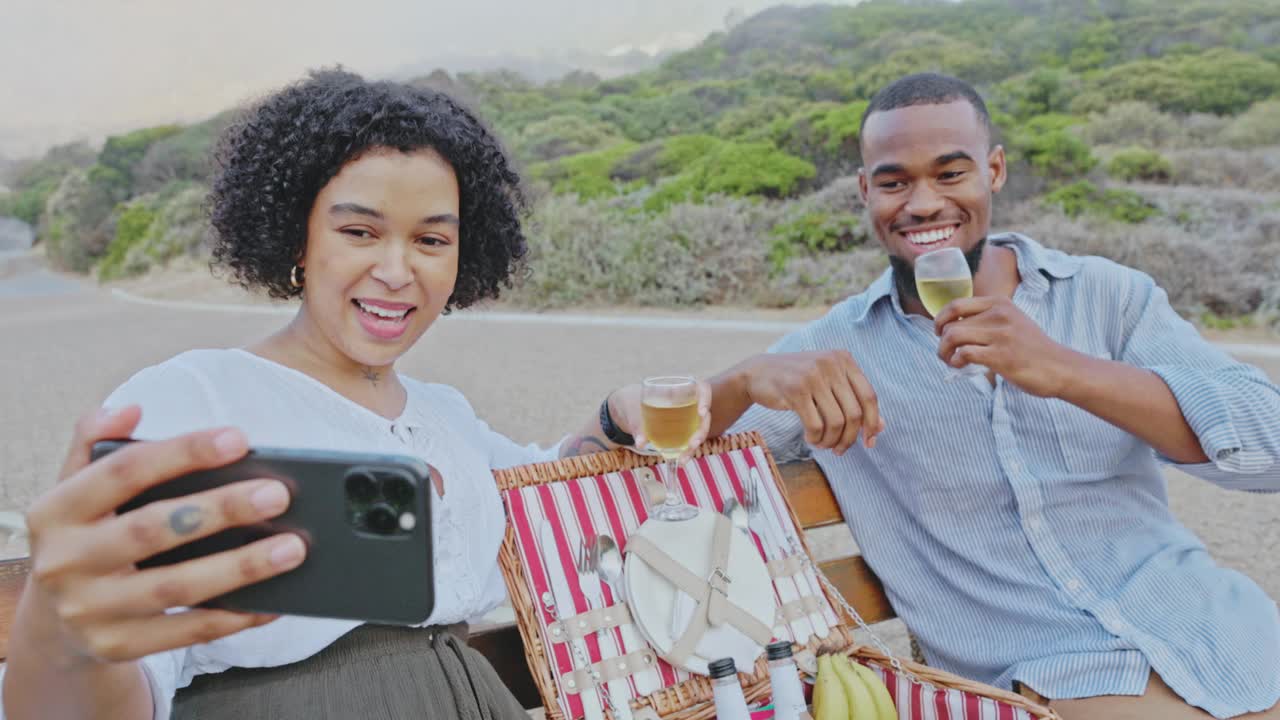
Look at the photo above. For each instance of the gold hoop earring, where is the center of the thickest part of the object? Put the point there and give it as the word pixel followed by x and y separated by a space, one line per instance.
pixel 295 276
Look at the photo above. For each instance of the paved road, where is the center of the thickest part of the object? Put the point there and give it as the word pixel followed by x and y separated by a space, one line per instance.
pixel 64 346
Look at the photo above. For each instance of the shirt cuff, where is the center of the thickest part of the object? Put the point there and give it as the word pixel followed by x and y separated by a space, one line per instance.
pixel 162 679
pixel 1208 412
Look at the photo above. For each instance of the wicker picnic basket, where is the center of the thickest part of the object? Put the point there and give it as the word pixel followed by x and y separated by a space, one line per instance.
pixel 685 696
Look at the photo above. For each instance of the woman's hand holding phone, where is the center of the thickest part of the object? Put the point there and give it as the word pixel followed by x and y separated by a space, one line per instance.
pixel 86 602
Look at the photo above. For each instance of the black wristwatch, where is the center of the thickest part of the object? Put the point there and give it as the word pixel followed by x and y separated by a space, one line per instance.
pixel 612 431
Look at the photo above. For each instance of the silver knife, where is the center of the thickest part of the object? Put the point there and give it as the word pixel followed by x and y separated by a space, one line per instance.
pixel 774 536
pixel 564 608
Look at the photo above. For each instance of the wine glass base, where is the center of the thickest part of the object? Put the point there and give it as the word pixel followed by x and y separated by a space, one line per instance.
pixel 673 513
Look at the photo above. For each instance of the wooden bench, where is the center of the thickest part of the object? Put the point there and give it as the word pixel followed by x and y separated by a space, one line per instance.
pixel 805 485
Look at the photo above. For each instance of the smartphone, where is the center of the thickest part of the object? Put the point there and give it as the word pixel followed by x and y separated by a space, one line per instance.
pixel 365 518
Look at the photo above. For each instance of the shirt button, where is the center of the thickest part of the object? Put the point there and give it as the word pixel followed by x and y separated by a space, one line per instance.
pixel 1034 524
pixel 1015 466
pixel 1073 584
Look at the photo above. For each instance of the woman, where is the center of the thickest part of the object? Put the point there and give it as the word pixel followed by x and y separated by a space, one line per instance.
pixel 382 206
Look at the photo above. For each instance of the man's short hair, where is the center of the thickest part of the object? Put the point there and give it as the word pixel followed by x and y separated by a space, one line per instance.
pixel 926 89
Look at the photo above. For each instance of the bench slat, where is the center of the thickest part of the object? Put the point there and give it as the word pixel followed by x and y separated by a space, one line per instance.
pixel 860 588
pixel 810 494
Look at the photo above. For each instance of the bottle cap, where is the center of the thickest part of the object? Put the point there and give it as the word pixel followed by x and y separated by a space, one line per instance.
pixel 721 668
pixel 778 651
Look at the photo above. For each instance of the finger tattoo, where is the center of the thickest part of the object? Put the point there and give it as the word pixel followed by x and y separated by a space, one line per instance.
pixel 186 519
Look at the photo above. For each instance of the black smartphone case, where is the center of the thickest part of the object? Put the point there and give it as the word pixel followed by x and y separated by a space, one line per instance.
pixel 351 571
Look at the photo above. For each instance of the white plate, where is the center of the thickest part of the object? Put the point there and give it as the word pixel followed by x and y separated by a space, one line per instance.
pixel 653 597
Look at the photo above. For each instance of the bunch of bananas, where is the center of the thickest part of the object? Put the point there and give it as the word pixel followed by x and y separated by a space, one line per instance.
pixel 847 690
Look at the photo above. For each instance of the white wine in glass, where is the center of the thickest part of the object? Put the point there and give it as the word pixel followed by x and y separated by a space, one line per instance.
pixel 943 276
pixel 669 414
pixel 937 294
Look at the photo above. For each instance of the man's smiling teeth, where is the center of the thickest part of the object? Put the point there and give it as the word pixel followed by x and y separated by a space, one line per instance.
pixel 932 236
pixel 383 312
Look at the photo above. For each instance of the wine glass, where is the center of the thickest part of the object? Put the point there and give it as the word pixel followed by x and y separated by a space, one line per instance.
pixel 669 414
pixel 942 276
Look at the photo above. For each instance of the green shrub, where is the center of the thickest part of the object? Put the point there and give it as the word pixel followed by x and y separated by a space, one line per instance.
pixel 1137 163
pixel 183 156
pixel 1218 81
pixel 1052 149
pixel 819 127
pixel 1084 198
pixel 28 203
pixel 76 225
pixel 749 121
pixel 813 232
pixel 735 169
pixel 717 252
pixel 683 152
pixel 586 175
pixel 907 53
pixel 122 153
pixel 1257 127
pixel 1131 123
pixel 152 229
pixel 136 218
pixel 33 182
pixel 1039 92
pixel 686 110
pixel 562 135
pixel 826 134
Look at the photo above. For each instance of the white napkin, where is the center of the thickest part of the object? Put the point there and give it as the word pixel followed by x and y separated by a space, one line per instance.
pixel 716 642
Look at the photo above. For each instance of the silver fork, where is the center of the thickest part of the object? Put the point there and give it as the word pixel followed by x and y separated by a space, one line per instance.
pixel 751 499
pixel 777 546
pixel 586 563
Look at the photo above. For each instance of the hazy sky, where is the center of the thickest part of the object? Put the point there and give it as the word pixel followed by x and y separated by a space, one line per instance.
pixel 73 68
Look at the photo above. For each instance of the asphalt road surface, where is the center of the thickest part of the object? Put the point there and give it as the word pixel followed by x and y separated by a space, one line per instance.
pixel 65 344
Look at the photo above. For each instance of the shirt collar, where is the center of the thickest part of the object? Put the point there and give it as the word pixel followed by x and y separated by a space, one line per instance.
pixel 1035 265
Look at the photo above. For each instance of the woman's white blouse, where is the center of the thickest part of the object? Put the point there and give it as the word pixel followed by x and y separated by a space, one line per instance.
pixel 281 407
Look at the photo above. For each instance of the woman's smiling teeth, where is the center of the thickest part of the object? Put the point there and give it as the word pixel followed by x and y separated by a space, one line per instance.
pixel 929 237
pixel 386 313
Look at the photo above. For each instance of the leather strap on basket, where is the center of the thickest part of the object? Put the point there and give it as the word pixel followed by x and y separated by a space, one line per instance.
pixel 802 607
pixel 710 594
pixel 608 670
pixel 786 566
pixel 589 622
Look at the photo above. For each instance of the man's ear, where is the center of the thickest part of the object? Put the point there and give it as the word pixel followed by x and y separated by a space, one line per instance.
pixel 862 185
pixel 998 167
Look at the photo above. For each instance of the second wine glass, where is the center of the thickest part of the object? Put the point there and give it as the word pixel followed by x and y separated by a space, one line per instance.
pixel 669 410
pixel 941 277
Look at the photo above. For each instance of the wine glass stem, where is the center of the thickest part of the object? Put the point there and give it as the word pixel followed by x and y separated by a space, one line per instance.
pixel 672 482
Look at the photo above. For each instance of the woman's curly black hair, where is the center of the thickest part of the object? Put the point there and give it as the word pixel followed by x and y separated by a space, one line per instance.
pixel 273 162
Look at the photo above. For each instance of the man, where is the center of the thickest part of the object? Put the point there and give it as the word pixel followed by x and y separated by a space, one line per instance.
pixel 1019 520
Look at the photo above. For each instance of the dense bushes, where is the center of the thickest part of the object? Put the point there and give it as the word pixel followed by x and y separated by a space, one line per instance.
pixel 152 229
pixel 1141 130
pixel 1084 198
pixel 1135 163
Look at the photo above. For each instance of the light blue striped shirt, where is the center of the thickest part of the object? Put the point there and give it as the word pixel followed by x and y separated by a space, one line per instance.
pixel 1024 539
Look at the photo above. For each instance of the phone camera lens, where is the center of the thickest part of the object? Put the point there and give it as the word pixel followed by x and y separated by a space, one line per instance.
pixel 381 519
pixel 397 490
pixel 361 488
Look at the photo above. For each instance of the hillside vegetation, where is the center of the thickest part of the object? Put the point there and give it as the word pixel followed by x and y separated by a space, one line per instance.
pixel 1145 131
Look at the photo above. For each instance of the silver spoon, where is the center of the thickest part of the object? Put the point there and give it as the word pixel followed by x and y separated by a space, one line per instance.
pixel 609 564
pixel 608 561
